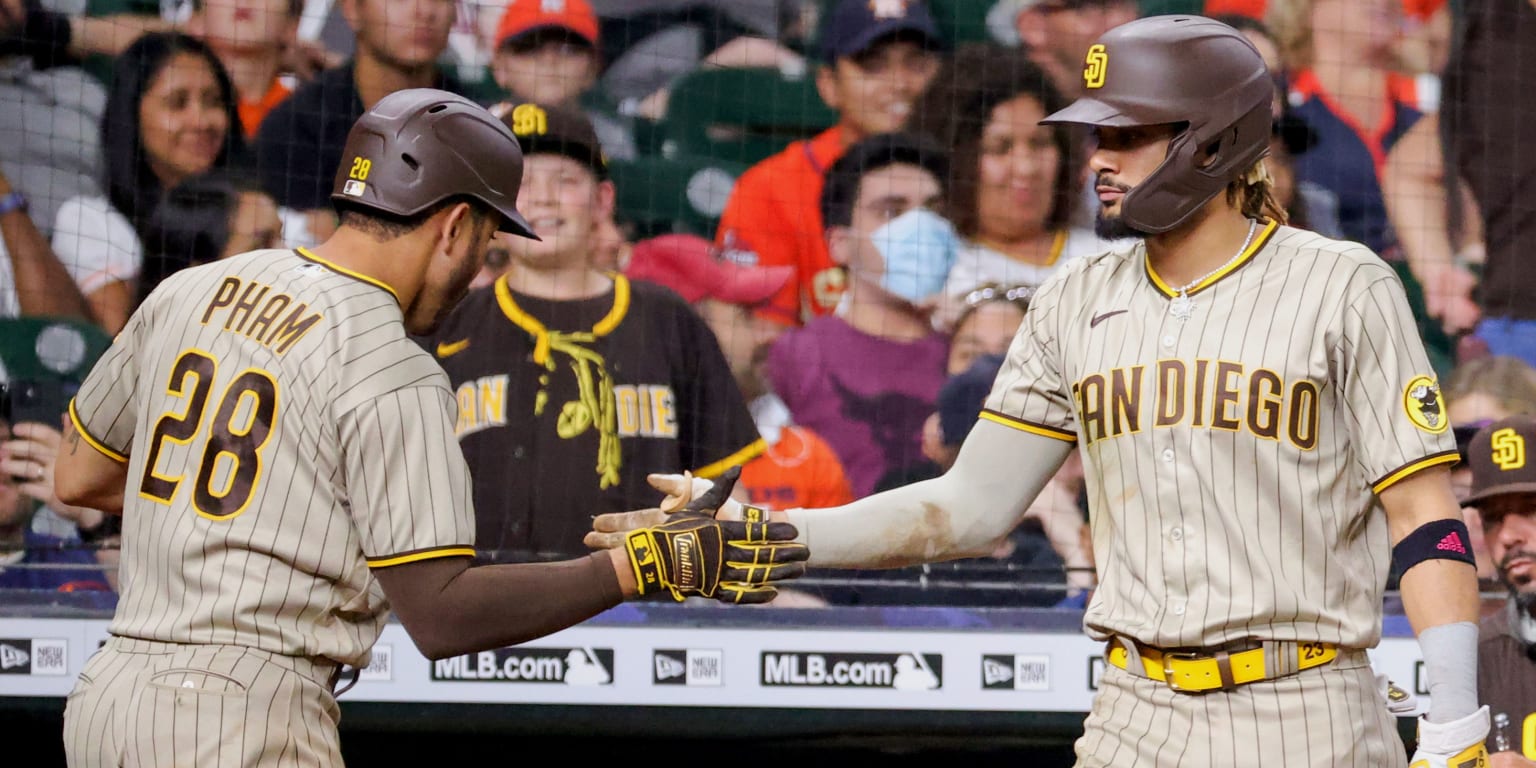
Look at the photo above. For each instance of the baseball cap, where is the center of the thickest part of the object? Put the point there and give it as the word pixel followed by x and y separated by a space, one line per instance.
pixel 525 16
pixel 547 130
pixel 1499 459
pixel 688 265
pixel 856 24
pixel 961 397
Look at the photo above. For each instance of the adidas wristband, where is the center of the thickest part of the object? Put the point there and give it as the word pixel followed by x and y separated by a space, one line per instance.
pixel 1434 540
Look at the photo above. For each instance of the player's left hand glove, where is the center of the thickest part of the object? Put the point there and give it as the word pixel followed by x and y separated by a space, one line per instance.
pixel 1457 744
pixel 735 562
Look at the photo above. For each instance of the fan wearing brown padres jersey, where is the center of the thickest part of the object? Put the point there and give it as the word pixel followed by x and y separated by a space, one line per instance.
pixel 1261 435
pixel 574 383
pixel 283 457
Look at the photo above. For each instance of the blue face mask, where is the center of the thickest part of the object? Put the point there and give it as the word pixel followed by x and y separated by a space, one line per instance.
pixel 919 248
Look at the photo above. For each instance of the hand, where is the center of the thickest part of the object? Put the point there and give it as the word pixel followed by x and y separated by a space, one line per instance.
pixel 694 555
pixel 1448 297
pixel 1457 744
pixel 683 492
pixel 1509 760
pixel 306 58
pixel 28 458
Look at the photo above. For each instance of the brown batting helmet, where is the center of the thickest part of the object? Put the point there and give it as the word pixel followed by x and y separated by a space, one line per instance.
pixel 1187 70
pixel 420 146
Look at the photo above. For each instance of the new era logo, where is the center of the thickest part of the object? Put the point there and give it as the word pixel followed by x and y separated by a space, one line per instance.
pixel 1452 543
pixel 11 657
pixel 668 668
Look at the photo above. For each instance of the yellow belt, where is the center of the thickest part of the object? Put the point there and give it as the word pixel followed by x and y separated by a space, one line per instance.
pixel 1216 671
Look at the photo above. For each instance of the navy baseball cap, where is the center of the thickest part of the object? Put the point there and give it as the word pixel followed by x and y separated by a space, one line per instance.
pixel 961 398
pixel 856 24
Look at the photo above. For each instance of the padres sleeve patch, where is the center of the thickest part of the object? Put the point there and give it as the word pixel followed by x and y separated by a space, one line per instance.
pixel 1425 405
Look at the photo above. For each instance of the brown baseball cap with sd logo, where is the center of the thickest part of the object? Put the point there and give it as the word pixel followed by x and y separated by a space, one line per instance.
pixel 1503 459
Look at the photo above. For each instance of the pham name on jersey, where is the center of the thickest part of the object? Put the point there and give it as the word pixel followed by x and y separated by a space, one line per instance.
pixel 269 326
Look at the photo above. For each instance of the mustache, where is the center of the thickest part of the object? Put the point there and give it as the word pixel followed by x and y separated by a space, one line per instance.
pixel 1516 554
pixel 1102 180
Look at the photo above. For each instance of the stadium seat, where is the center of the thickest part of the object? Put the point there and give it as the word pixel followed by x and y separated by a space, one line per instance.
pixel 686 193
pixel 42 362
pixel 49 347
pixel 962 21
pixel 741 115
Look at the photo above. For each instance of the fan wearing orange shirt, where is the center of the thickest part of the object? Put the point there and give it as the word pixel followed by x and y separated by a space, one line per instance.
pixel 250 37
pixel 877 58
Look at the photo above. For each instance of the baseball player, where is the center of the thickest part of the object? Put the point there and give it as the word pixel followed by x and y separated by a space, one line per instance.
pixel 1261 435
pixel 284 459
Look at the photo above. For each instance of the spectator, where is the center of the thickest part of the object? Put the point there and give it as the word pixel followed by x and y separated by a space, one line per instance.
pixel 1488 107
pixel 574 384
pixel 547 53
pixel 1056 33
pixel 798 465
pixel 1014 184
pixel 299 144
pixel 1341 57
pixel 649 44
pixel 1307 205
pixel 1478 393
pixel 203 219
pixel 33 281
pixel 251 40
pixel 32 560
pixel 876 60
pixel 50 112
pixel 1504 495
pixel 170 115
pixel 866 378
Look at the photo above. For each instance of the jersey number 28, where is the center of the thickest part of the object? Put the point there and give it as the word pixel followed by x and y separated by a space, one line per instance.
pixel 236 434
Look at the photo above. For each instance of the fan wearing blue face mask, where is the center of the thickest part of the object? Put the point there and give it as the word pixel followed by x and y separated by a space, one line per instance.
pixel 868 376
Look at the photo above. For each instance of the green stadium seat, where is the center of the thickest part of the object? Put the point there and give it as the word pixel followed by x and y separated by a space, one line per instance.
pixel 42 362
pixel 687 193
pixel 49 347
pixel 741 115
pixel 962 21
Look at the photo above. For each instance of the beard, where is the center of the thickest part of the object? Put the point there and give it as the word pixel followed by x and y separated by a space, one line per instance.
pixel 1109 227
pixel 1114 228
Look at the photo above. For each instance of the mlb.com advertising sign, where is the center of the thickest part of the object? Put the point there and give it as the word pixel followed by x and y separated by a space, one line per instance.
pixel 896 671
pixel 564 666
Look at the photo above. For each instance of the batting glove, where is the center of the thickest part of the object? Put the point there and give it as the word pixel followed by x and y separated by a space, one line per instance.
pixel 1400 701
pixel 694 555
pixel 1457 744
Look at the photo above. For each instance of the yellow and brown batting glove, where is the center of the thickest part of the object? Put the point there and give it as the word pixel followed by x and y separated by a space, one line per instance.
pixel 693 554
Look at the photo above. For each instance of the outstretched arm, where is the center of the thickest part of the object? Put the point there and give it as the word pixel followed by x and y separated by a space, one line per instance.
pixel 962 513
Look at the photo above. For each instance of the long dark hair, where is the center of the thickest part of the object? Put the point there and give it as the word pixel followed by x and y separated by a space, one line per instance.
pixel 131 184
pixel 190 226
pixel 955 112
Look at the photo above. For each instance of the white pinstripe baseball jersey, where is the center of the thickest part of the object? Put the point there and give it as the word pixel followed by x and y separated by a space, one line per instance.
pixel 1233 458
pixel 282 434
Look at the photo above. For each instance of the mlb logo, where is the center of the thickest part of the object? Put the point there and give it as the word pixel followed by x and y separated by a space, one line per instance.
pixel 353 188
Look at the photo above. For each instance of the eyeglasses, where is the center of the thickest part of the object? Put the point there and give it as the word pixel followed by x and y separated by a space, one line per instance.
pixel 1017 294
